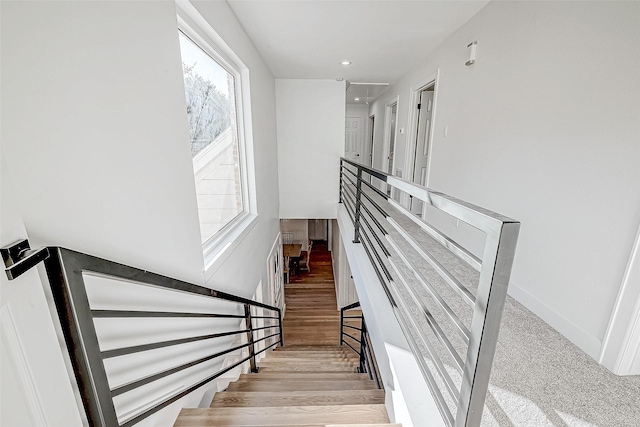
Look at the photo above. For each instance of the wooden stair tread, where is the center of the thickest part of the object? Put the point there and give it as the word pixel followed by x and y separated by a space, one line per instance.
pixel 282 415
pixel 310 385
pixel 332 376
pixel 297 398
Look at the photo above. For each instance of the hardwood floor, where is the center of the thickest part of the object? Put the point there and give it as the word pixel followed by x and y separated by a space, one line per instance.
pixel 311 381
pixel 312 316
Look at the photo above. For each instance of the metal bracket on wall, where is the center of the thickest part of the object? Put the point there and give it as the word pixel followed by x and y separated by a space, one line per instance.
pixel 19 257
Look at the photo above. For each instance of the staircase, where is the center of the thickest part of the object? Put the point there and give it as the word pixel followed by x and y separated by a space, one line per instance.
pixel 311 381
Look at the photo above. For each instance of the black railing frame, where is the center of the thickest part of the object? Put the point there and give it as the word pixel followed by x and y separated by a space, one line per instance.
pixel 65 269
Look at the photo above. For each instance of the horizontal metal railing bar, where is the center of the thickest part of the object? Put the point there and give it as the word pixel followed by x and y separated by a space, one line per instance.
pixel 351 327
pixel 372 216
pixel 431 321
pixel 103 267
pixel 353 338
pixel 266 338
pixel 378 174
pixel 380 193
pixel 262 317
pixel 375 205
pixel 152 346
pixel 130 314
pixel 459 325
pixel 439 399
pixel 352 317
pixel 351 306
pixel 351 347
pixel 136 419
pixel 154 377
pixel 377 255
pixel 349 170
pixel 376 269
pixel 264 327
pixel 350 180
pixel 458 250
pixel 349 208
pixel 473 215
pixel 365 221
pixel 455 284
pixel 351 194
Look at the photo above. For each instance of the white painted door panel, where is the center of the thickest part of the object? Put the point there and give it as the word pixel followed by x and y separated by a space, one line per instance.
pixel 421 160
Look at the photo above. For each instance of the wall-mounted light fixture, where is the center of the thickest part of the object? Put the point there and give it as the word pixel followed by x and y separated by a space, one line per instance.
pixel 472 48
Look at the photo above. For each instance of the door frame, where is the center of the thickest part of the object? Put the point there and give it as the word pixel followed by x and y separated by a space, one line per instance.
pixel 621 344
pixel 386 142
pixel 414 97
pixel 370 135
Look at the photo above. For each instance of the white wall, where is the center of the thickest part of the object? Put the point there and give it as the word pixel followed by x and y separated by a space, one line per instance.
pixel 544 128
pixel 311 125
pixel 95 138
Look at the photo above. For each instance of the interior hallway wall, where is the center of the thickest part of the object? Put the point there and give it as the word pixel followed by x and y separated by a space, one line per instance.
pixel 96 144
pixel 311 127
pixel 544 128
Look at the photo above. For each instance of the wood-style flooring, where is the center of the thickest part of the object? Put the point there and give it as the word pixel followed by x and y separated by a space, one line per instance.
pixel 311 381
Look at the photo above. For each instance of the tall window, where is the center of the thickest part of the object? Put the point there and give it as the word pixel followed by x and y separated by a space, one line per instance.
pixel 210 90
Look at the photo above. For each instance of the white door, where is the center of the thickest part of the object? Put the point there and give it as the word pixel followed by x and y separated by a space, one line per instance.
pixel 35 389
pixel 421 159
pixel 354 133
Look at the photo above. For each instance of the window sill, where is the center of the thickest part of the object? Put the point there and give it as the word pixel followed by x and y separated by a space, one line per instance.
pixel 217 251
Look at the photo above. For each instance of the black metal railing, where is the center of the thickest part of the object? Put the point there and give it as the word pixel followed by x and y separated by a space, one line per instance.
pixel 450 323
pixel 65 270
pixel 362 344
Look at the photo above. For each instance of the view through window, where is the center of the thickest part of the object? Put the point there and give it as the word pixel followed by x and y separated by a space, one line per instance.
pixel 211 111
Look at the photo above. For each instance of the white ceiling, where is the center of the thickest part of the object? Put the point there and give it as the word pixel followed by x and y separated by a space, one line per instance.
pixel 383 39
pixel 364 92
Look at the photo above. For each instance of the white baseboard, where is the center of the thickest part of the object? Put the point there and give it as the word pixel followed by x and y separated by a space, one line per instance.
pixel 586 341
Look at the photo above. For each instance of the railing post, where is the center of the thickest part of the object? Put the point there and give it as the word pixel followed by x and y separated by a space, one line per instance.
pixel 340 184
pixel 280 326
pixel 363 331
pixel 356 225
pixel 251 346
pixel 341 324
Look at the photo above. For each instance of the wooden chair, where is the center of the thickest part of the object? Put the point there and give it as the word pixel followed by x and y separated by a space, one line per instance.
pixel 305 259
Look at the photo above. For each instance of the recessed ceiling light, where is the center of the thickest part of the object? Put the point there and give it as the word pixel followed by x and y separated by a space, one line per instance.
pixel 356 99
pixel 339 79
pixel 346 62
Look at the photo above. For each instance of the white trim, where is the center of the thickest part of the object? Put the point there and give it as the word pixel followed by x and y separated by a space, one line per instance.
pixel 15 349
pixel 621 346
pixel 412 127
pixel 218 250
pixel 386 142
pixel 586 341
pixel 200 31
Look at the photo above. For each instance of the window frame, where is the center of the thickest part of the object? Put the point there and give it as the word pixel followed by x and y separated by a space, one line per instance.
pixel 219 246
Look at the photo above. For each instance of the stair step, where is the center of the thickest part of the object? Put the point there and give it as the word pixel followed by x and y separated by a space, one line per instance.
pixel 308 361
pixel 329 376
pixel 297 385
pixel 329 347
pixel 297 398
pixel 312 355
pixel 282 416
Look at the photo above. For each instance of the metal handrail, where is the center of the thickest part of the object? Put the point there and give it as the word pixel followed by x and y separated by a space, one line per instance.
pixel 65 269
pixel 367 360
pixel 386 242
